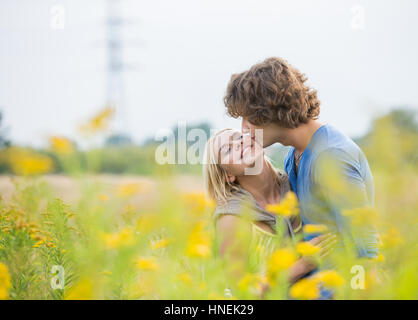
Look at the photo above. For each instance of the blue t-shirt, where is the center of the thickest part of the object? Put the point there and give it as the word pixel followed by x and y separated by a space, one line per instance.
pixel 321 203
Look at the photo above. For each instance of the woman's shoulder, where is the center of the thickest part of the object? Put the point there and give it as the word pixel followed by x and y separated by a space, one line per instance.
pixel 232 205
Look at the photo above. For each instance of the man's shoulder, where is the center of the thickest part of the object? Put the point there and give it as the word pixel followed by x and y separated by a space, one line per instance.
pixel 334 142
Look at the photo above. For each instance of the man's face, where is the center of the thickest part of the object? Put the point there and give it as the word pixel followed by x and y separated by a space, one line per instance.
pixel 271 133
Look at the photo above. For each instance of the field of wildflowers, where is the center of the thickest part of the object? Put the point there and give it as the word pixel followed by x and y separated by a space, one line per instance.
pixel 109 245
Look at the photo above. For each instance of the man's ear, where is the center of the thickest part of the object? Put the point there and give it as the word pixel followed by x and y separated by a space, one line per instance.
pixel 231 178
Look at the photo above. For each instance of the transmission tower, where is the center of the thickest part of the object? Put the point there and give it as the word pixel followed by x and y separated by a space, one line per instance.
pixel 116 66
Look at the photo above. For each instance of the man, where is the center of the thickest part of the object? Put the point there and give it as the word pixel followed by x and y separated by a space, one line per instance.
pixel 274 97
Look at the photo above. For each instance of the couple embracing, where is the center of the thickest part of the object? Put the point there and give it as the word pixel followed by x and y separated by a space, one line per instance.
pixel 272 97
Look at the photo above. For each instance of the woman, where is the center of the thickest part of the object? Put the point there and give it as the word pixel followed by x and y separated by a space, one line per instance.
pixel 229 156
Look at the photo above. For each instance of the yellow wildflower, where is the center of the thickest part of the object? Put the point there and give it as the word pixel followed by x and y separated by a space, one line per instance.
pixel 185 278
pixel 392 238
pixel 314 228
pixel 147 222
pixel 129 189
pixel 160 243
pixel 361 216
pixel 83 290
pixel 99 122
pixel 38 244
pixel 287 207
pixel 199 244
pixel 123 238
pixel 61 145
pixel 252 283
pixel 329 278
pixel 147 263
pixel 5 282
pixel 306 248
pixel 24 162
pixel 197 202
pixel 305 289
pixel 281 259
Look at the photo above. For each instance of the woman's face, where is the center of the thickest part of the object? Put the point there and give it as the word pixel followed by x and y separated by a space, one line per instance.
pixel 236 151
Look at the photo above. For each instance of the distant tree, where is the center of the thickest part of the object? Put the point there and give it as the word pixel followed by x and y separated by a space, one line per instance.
pixel 205 126
pixel 3 141
pixel 405 119
pixel 118 139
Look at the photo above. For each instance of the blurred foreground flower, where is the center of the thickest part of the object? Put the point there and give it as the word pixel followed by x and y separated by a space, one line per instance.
pixel 329 278
pixel 25 162
pixel 99 122
pixel 306 248
pixel 129 189
pixel 83 290
pixel 392 238
pixel 305 289
pixel 147 263
pixel 314 228
pixel 160 243
pixel 281 259
pixel 123 238
pixel 361 216
pixel 252 283
pixel 287 207
pixel 197 202
pixel 61 145
pixel 199 245
pixel 5 283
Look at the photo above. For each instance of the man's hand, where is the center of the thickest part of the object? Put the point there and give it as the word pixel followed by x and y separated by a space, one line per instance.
pixel 325 242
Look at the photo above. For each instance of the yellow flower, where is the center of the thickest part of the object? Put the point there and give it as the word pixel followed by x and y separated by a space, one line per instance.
pixel 99 122
pixel 306 248
pixel 380 258
pixel 103 197
pixel 147 222
pixel 38 244
pixel 129 189
pixel 287 207
pixel 185 278
pixel 147 263
pixel 314 228
pixel 197 202
pixel 83 290
pixel 24 162
pixel 392 238
pixel 361 216
pixel 123 238
pixel 160 243
pixel 329 278
pixel 252 283
pixel 199 244
pixel 305 289
pixel 281 259
pixel 5 282
pixel 61 145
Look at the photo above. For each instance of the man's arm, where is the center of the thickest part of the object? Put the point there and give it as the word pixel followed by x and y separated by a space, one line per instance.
pixel 339 183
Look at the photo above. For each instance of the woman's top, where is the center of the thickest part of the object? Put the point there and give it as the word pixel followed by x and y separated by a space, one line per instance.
pixel 263 242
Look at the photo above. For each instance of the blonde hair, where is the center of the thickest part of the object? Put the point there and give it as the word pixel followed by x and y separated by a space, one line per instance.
pixel 217 185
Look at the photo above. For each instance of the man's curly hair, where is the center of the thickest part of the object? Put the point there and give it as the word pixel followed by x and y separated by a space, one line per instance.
pixel 272 91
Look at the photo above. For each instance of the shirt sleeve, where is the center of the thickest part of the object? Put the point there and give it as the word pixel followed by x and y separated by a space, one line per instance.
pixel 338 181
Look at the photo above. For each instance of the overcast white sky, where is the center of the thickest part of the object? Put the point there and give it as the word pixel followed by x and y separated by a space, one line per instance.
pixel 51 79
